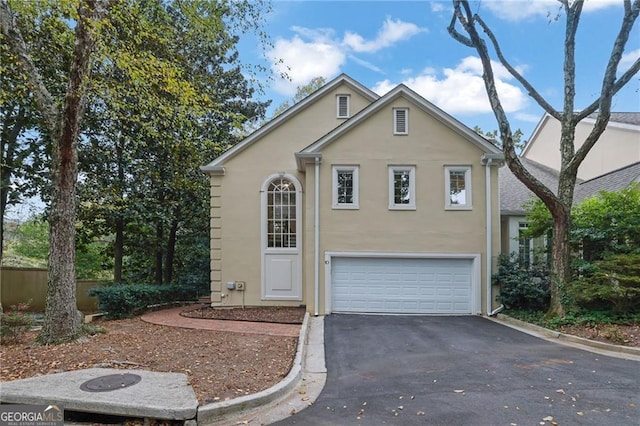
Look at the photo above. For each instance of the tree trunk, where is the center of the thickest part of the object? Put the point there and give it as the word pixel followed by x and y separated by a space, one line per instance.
pixel 118 251
pixel 8 163
pixel 159 254
pixel 561 262
pixel 171 250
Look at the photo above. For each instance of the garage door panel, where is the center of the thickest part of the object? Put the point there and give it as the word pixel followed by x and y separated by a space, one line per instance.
pixel 398 285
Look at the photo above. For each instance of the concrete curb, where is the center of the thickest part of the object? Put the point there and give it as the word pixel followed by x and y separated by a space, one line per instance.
pixel 219 411
pixel 618 351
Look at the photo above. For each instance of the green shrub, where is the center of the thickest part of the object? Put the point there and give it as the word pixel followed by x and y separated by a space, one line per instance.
pixel 613 282
pixel 15 323
pixel 522 288
pixel 126 300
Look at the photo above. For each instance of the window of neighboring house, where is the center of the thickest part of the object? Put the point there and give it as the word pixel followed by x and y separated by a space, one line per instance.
pixel 343 103
pixel 457 187
pixel 402 187
pixel 525 246
pixel 345 187
pixel 401 121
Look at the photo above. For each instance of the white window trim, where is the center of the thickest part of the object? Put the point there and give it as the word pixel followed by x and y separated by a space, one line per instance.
pixel 338 106
pixel 468 205
pixel 412 188
pixel 395 121
pixel 345 168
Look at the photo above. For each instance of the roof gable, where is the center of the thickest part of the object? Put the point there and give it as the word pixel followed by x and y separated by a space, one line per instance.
pixel 403 91
pixel 217 165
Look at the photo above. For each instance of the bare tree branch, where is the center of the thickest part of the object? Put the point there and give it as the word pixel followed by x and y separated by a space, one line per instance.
pixel 530 89
pixel 512 160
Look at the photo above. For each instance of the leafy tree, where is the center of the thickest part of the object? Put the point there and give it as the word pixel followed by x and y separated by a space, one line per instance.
pixel 301 93
pixel 494 136
pixel 602 225
pixel 558 202
pixel 148 137
pixel 61 118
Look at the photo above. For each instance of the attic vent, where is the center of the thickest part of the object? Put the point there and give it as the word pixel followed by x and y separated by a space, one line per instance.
pixel 400 121
pixel 343 106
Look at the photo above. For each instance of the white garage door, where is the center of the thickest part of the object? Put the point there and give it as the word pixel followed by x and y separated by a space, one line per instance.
pixel 398 285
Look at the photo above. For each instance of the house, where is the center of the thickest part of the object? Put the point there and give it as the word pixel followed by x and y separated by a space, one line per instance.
pixel 351 202
pixel 611 165
pixel 617 147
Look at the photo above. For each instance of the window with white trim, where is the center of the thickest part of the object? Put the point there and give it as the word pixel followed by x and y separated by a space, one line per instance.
pixel 345 187
pixel 402 187
pixel 457 187
pixel 401 121
pixel 342 106
pixel 525 246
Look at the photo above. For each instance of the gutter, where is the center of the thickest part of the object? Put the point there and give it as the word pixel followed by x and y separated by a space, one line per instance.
pixel 488 161
pixel 489 231
pixel 316 236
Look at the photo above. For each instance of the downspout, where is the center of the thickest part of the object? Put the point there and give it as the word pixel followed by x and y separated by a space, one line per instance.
pixel 316 237
pixel 489 231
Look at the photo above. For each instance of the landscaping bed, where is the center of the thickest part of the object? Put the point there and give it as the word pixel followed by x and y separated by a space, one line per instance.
pixel 276 314
pixel 600 326
pixel 220 365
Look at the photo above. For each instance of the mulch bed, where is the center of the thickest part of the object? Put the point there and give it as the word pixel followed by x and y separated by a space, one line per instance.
pixel 275 314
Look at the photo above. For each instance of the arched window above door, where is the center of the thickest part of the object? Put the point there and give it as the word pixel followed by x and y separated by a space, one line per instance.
pixel 281 214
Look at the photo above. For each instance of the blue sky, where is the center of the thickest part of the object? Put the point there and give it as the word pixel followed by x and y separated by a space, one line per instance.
pixel 382 44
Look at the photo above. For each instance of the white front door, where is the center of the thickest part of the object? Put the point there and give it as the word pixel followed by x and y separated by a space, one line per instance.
pixel 281 238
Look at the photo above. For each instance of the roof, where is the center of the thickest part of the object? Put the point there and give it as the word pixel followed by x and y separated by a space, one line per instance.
pixel 621 117
pixel 401 90
pixel 513 193
pixel 216 166
pixel 610 182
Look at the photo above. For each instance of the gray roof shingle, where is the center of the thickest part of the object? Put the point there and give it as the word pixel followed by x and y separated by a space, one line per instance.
pixel 622 117
pixel 513 193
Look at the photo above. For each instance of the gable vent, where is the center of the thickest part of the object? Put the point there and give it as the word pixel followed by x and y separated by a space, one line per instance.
pixel 401 121
pixel 343 106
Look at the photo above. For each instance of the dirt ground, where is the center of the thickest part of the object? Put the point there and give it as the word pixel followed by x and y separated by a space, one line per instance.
pixel 220 365
pixel 617 334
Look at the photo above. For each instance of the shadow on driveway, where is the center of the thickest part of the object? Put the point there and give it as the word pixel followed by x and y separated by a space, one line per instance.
pixel 464 371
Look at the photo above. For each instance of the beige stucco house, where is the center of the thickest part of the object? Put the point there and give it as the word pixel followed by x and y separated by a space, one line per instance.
pixel 617 147
pixel 351 202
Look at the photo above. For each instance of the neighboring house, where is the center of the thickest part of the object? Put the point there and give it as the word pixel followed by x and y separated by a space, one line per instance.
pixel 514 195
pixel 351 202
pixel 617 147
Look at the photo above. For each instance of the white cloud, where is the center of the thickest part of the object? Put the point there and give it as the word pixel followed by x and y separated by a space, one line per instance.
pixel 391 32
pixel 531 118
pixel 519 10
pixel 461 90
pixel 302 61
pixel 366 64
pixel 628 59
pixel 437 6
pixel 314 52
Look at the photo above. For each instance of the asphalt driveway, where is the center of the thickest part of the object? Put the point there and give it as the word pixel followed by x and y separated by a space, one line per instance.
pixel 464 371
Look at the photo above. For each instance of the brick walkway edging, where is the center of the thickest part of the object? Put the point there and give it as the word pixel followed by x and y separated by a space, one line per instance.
pixel 216 412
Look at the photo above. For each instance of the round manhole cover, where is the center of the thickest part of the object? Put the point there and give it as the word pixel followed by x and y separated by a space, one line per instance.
pixel 110 382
